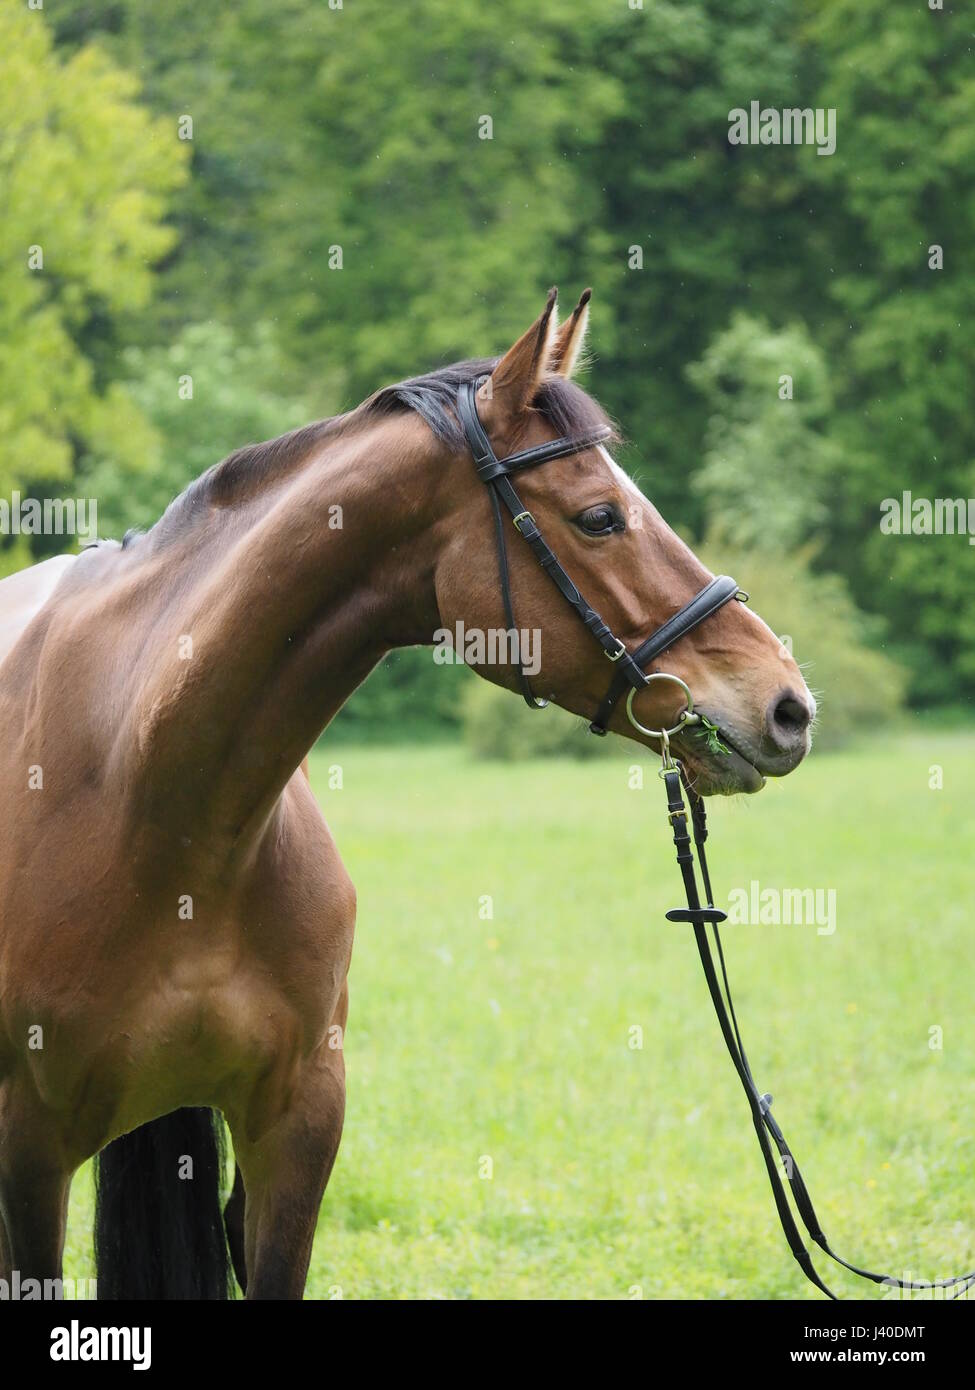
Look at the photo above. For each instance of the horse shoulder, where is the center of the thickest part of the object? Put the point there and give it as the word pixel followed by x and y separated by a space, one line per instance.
pixel 24 594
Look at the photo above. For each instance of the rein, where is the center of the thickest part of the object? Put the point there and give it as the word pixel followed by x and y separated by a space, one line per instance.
pixel 495 473
pixel 766 1128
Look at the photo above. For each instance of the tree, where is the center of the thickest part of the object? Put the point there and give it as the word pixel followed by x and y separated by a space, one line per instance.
pixel 768 466
pixel 345 192
pixel 857 684
pixel 85 173
pixel 204 395
pixel 902 184
pixel 699 228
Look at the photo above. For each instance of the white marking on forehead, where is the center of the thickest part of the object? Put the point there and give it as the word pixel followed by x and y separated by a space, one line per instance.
pixel 621 476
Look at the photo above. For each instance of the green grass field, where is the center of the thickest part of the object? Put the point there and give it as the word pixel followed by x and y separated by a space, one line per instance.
pixel 618 1171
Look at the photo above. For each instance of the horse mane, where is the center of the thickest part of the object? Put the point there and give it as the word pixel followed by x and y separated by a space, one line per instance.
pixel 432 396
pixel 566 407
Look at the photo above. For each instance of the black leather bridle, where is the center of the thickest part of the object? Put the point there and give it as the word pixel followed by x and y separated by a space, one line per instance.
pixel 495 473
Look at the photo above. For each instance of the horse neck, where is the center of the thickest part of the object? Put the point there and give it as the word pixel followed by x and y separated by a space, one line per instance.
pixel 289 597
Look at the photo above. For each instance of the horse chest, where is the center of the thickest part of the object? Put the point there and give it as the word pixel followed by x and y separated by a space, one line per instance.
pixel 206 1019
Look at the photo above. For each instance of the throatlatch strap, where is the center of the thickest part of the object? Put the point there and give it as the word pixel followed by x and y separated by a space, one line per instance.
pixel 766 1128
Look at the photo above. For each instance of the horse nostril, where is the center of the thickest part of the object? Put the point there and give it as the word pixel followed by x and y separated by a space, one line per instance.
pixel 789 719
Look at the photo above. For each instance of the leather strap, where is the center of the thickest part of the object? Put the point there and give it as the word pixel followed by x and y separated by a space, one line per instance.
pixel 486 462
pixel 712 597
pixel 509 612
pixel 553 449
pixel 766 1128
pixel 546 557
pixel 495 473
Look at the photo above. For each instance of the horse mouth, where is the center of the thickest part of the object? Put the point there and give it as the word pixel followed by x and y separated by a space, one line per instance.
pixel 716 766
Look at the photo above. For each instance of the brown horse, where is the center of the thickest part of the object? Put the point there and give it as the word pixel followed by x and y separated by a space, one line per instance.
pixel 175 920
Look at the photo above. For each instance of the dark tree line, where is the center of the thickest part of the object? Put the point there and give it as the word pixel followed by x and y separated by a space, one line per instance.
pixel 339 219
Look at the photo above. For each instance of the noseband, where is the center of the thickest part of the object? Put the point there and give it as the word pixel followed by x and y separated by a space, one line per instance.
pixel 628 672
pixel 495 473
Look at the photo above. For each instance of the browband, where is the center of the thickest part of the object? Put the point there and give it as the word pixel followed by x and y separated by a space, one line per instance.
pixel 489 466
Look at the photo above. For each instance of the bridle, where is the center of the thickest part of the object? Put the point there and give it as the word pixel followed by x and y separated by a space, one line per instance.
pixel 495 473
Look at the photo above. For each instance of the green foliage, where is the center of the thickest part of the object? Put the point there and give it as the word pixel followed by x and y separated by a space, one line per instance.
pixel 236 399
pixel 432 219
pixel 359 128
pixel 897 332
pixel 86 174
pixel 468 210
pixel 767 464
pixel 408 696
pixel 497 724
pixel 719 227
pixel 837 646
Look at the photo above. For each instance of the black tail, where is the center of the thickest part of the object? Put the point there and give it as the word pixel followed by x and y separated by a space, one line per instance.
pixel 159 1229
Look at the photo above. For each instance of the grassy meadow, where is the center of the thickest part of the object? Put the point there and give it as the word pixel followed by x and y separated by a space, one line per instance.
pixel 502 1043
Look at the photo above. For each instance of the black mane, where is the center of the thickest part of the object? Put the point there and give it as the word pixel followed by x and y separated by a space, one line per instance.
pixel 433 397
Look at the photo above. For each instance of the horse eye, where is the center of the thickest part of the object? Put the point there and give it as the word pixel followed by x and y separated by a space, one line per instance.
pixel 599 521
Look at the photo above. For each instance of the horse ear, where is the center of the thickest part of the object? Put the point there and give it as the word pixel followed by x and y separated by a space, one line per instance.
pixel 570 338
pixel 515 379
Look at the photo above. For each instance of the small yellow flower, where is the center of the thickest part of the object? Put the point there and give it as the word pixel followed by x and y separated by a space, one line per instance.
pixel 492 943
pixel 851 1008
